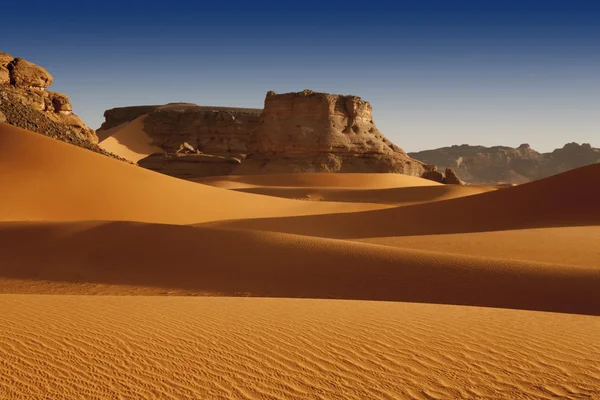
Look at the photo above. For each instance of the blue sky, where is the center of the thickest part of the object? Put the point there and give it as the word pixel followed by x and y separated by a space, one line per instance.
pixel 436 72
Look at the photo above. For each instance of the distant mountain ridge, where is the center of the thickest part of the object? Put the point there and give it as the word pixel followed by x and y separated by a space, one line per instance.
pixel 502 164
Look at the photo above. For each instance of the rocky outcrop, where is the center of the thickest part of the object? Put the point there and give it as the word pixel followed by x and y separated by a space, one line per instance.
pixel 449 178
pixel 214 138
pixel 501 164
pixel 25 74
pixel 320 132
pixel 120 115
pixel 25 103
pixel 212 130
pixel 296 132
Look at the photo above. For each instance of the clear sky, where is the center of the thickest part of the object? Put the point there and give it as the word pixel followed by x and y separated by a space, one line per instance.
pixel 436 72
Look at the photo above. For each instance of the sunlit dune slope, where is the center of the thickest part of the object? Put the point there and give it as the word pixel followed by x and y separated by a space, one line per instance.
pixel 44 179
pixel 68 347
pixel 144 258
pixel 568 199
pixel 567 245
pixel 130 141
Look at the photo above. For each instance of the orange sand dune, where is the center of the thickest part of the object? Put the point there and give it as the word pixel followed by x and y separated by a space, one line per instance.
pixel 568 245
pixel 104 347
pixel 221 262
pixel 129 141
pixel 567 199
pixel 42 179
pixel 312 180
pixel 397 196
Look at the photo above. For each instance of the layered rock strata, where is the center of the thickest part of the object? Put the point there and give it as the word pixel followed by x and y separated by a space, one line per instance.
pixel 320 132
pixel 295 132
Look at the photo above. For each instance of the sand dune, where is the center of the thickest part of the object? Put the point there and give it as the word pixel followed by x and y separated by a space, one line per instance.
pixel 313 180
pixel 397 196
pixel 369 237
pixel 162 258
pixel 130 141
pixel 56 347
pixel 567 199
pixel 567 245
pixel 42 179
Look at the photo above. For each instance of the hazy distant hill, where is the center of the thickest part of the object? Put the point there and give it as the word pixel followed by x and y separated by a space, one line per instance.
pixel 499 164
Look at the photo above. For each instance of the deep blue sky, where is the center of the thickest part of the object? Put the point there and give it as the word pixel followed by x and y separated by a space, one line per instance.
pixel 436 72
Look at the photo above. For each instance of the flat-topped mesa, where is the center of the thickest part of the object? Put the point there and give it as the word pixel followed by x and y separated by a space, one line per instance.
pixel 295 132
pixel 211 130
pixel 25 103
pixel 319 132
pixel 120 115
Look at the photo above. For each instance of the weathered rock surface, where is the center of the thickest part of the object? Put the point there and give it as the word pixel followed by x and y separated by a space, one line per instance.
pixel 26 74
pixel 120 115
pixel 212 130
pixel 500 164
pixel 25 103
pixel 320 132
pixel 450 178
pixel 296 132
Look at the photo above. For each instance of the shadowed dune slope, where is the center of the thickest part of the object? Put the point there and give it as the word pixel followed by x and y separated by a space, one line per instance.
pixel 393 196
pixel 567 199
pixel 71 347
pixel 130 141
pixel 313 180
pixel 46 180
pixel 35 257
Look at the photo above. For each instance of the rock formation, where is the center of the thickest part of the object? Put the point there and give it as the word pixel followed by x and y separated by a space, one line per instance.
pixel 25 103
pixel 120 115
pixel 296 132
pixel 218 135
pixel 500 164
pixel 449 178
pixel 320 132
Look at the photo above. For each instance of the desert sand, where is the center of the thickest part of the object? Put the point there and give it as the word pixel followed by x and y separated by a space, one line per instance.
pixel 129 141
pixel 118 282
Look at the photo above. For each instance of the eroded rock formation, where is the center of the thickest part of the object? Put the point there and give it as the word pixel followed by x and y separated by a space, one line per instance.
pixel 25 103
pixel 320 132
pixel 501 164
pixel 295 132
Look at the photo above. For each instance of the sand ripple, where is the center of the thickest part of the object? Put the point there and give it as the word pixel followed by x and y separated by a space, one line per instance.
pixel 70 347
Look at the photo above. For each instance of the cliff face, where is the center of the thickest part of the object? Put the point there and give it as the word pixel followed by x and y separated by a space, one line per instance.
pixel 320 132
pixel 25 103
pixel 500 164
pixel 212 130
pixel 296 132
pixel 117 116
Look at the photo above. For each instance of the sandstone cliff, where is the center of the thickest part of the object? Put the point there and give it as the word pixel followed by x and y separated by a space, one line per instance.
pixel 501 164
pixel 320 132
pixel 215 138
pixel 296 132
pixel 25 103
